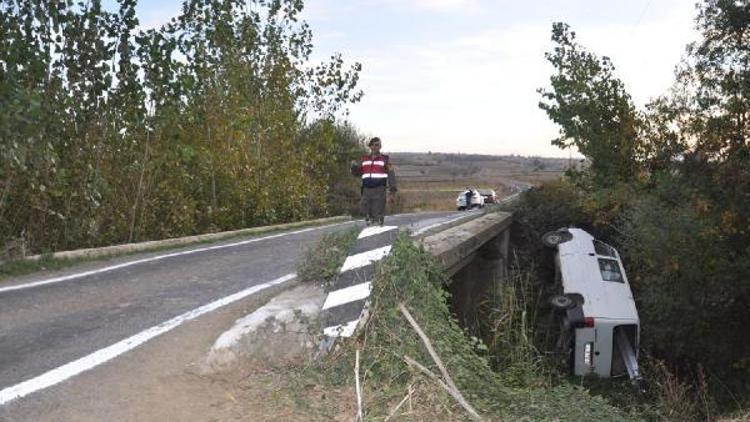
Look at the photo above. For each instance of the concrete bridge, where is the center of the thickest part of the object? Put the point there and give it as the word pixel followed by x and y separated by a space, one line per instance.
pixel 474 254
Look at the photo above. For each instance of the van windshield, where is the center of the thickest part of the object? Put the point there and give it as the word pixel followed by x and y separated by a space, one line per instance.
pixel 610 270
pixel 604 249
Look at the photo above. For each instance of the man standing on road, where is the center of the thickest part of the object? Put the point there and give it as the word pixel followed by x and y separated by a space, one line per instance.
pixel 377 175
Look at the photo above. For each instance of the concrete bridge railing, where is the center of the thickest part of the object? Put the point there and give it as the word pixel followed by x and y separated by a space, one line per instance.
pixel 482 240
pixel 475 256
pixel 486 237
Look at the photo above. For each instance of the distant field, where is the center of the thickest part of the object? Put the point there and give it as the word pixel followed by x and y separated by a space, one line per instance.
pixel 433 181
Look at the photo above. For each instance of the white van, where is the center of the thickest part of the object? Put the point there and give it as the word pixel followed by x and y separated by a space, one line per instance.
pixel 476 200
pixel 600 326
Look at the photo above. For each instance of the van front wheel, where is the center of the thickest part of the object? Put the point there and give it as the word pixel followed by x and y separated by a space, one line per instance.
pixel 554 238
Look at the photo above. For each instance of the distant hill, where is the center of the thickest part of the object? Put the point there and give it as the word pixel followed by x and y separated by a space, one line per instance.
pixel 443 166
pixel 432 180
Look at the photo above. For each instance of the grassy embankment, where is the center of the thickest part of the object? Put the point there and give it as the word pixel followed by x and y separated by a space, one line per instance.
pixel 519 388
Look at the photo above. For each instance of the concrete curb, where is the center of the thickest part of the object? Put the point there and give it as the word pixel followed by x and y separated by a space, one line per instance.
pixel 180 241
pixel 277 333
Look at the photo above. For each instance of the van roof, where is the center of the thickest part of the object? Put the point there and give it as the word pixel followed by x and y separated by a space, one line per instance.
pixel 584 266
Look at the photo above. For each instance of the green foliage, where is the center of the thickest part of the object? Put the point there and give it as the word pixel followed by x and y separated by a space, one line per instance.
pixel 595 113
pixel 331 147
pixel 15 268
pixel 691 284
pixel 668 324
pixel 669 397
pixel 687 237
pixel 682 221
pixel 322 262
pixel 686 263
pixel 674 200
pixel 547 207
pixel 411 276
pixel 109 134
pixel 715 80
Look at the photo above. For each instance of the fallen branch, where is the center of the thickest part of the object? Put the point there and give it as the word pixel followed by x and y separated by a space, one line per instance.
pixel 411 390
pixel 356 382
pixel 428 345
pixel 438 362
pixel 454 393
pixel 393 412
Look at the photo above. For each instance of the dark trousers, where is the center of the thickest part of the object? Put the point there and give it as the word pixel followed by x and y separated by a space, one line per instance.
pixel 372 204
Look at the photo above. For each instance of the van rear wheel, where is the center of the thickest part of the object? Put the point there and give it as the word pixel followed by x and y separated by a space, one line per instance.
pixel 561 303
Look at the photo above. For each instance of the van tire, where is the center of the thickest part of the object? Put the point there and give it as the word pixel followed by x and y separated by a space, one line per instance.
pixel 556 237
pixel 561 303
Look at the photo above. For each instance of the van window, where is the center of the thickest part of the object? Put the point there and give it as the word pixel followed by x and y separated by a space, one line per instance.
pixel 610 270
pixel 604 249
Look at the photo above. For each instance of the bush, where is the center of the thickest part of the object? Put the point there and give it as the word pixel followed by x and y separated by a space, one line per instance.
pixel 552 205
pixel 322 262
pixel 691 287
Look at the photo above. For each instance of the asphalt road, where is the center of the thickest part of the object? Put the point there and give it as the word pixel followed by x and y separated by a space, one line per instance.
pixel 47 326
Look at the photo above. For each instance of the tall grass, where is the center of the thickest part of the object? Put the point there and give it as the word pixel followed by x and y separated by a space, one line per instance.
pixel 508 324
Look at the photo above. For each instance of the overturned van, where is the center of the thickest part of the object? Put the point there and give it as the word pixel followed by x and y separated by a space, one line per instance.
pixel 599 322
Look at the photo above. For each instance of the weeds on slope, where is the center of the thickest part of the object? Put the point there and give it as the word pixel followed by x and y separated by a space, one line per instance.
pixel 322 261
pixel 393 389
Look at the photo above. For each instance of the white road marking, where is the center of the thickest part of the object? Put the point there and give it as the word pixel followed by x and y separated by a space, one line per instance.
pixel 347 294
pixel 341 330
pixel 364 258
pixel 432 226
pixel 154 258
pixel 509 198
pixel 101 356
pixel 362 290
pixel 372 231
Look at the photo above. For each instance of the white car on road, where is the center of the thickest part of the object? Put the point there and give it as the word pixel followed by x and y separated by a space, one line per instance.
pixel 476 200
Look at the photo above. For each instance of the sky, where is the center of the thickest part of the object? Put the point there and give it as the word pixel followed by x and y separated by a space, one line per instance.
pixel 462 75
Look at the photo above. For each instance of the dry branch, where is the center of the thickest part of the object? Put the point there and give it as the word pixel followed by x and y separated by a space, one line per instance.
pixel 428 344
pixel 356 382
pixel 454 393
pixel 401 403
